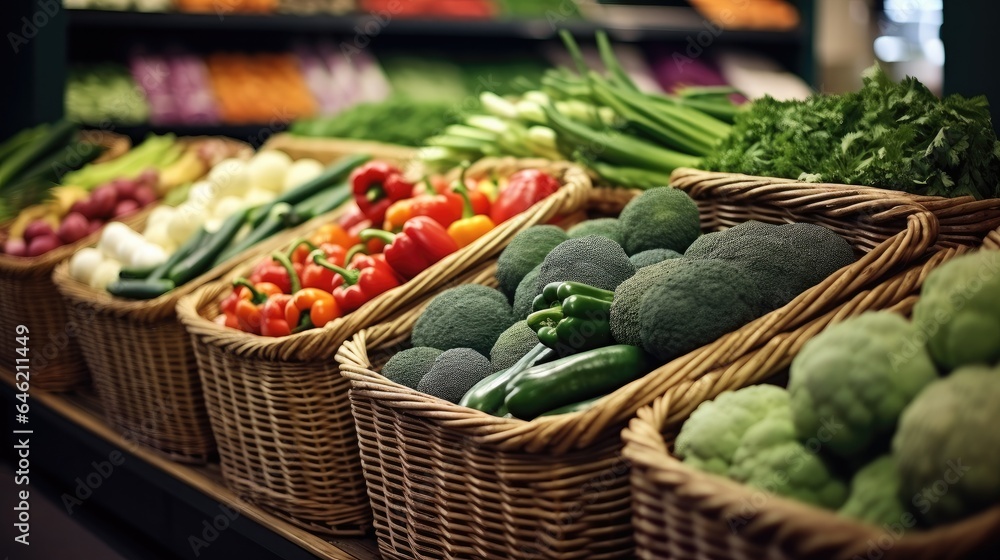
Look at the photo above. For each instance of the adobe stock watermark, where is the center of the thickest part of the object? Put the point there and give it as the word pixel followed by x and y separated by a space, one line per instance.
pixel 921 502
pixel 369 28
pixel 30 27
pixel 212 528
pixel 695 44
pixel 89 483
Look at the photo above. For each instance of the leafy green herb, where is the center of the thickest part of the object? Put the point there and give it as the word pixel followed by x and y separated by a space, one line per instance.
pixel 889 135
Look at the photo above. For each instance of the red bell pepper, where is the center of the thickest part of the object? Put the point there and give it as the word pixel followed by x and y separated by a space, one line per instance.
pixel 422 243
pixel 273 315
pixel 524 189
pixel 376 185
pixel 365 278
pixel 273 272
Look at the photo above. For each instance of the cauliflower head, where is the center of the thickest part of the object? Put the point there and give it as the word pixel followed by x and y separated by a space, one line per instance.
pixel 851 382
pixel 710 436
pixel 959 310
pixel 874 496
pixel 948 446
pixel 770 457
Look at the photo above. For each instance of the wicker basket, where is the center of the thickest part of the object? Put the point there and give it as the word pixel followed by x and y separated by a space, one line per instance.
pixel 962 221
pixel 328 150
pixel 278 408
pixel 55 356
pixel 681 512
pixel 141 359
pixel 447 481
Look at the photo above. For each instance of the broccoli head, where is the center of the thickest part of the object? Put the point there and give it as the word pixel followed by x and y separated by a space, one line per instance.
pixel 850 383
pixel 784 260
pixel 593 260
pixel 524 297
pixel 695 304
pixel 948 436
pixel 469 316
pixel 653 256
pixel 959 310
pixel 874 495
pixel 605 227
pixel 512 345
pixel 710 436
pixel 624 316
pixel 454 372
pixel 526 251
pixel 770 458
pixel 663 218
pixel 408 366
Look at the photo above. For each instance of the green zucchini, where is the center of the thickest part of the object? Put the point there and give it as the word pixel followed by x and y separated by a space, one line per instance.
pixel 331 176
pixel 569 380
pixel 131 288
pixel 202 259
pixel 488 394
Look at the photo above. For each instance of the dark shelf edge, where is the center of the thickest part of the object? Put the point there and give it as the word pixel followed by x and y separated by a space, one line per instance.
pixel 533 29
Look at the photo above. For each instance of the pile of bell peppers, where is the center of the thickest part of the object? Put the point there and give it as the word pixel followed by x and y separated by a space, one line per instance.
pixel 395 231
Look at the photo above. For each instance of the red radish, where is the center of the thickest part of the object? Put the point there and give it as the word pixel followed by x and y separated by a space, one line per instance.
pixel 74 227
pixel 104 200
pixel 43 244
pixel 144 195
pixel 125 207
pixel 15 247
pixel 37 228
pixel 94 225
pixel 124 188
pixel 149 178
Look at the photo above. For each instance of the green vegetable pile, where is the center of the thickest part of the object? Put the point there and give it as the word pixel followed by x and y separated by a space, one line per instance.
pixel 396 121
pixel 868 425
pixel 888 135
pixel 586 319
pixel 628 137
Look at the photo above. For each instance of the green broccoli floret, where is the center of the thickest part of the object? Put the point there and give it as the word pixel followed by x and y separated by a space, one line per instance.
pixel 948 437
pixel 512 345
pixel 593 260
pixel 469 316
pixel 524 297
pixel 406 367
pixel 526 251
pixel 850 383
pixel 783 260
pixel 959 310
pixel 624 316
pixel 874 496
pixel 695 304
pixel 770 458
pixel 653 256
pixel 710 436
pixel 663 218
pixel 454 372
pixel 605 227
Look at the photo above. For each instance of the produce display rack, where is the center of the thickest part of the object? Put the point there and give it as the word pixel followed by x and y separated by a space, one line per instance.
pixel 69 38
pixel 69 435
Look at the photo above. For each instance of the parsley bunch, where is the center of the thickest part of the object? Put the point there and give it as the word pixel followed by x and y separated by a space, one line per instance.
pixel 889 135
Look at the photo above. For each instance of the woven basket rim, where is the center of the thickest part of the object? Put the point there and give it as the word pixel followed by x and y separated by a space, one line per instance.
pixel 196 309
pixel 287 141
pixel 557 433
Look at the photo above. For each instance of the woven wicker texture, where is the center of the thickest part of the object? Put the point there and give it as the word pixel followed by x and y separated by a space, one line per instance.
pixel 683 513
pixel 459 456
pixel 251 381
pixel 26 299
pixel 961 221
pixel 327 150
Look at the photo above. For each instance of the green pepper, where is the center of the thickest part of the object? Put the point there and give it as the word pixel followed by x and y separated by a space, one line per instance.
pixel 202 259
pixel 488 394
pixel 570 317
pixel 569 380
